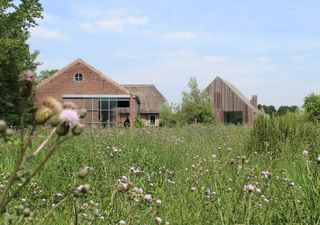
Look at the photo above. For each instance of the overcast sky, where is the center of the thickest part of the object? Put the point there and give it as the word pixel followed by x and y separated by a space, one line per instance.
pixel 268 47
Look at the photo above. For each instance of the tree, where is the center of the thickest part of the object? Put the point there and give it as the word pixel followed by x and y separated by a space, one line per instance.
pixel 46 73
pixel 282 110
pixel 196 106
pixel 15 56
pixel 312 107
pixel 167 115
pixel 268 109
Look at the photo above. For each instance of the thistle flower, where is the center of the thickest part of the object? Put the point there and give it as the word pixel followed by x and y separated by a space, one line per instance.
pixel 70 105
pixel 158 220
pixel 68 116
pixel 158 202
pixel 52 104
pixel 147 197
pixel 305 153
pixel 27 77
pixel 48 108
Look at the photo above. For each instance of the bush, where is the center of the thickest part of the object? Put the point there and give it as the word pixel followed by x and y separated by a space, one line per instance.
pixel 139 123
pixel 274 133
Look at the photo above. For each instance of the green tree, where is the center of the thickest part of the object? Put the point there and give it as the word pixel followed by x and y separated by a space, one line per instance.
pixel 46 73
pixel 196 106
pixel 16 18
pixel 283 110
pixel 167 115
pixel 268 109
pixel 312 107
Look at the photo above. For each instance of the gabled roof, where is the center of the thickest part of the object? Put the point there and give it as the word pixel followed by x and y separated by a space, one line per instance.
pixel 77 61
pixel 237 92
pixel 150 97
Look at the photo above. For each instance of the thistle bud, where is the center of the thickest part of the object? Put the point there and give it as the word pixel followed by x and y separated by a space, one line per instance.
pixel 27 77
pixel 43 115
pixel 85 171
pixel 52 104
pixel 63 129
pixel 54 121
pixel 82 113
pixel 77 129
pixel 26 212
pixel 3 126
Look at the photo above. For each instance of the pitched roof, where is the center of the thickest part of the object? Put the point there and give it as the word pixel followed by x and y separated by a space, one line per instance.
pixel 150 97
pixel 237 92
pixel 125 90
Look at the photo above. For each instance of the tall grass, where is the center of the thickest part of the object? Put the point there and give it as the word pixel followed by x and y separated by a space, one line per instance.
pixel 201 174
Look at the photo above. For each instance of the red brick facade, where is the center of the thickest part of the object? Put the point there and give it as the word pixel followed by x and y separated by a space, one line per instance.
pixel 92 83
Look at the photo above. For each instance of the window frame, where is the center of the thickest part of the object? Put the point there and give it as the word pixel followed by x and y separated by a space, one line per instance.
pixel 78 77
pixel 154 122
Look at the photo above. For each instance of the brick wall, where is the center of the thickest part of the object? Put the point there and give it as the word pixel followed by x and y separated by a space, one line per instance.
pixel 92 83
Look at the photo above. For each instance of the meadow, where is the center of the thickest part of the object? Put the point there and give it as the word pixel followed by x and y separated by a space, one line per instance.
pixel 196 174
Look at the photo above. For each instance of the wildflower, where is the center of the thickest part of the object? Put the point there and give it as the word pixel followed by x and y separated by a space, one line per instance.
pixel 27 77
pixel 158 220
pixel 147 198
pixel 48 108
pixel 85 171
pixel 26 212
pixel 258 190
pixel 193 189
pixel 77 129
pixel 318 159
pixel 158 202
pixel 82 113
pixel 122 222
pixel 70 105
pixel 305 153
pixel 266 200
pixel 266 174
pixel 69 117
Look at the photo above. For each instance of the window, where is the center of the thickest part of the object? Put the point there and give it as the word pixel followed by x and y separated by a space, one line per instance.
pixel 152 120
pixel 78 77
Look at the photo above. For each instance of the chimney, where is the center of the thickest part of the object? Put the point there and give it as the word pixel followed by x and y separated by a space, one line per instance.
pixel 254 101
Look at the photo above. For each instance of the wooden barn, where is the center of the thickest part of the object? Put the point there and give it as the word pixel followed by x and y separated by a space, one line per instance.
pixel 151 102
pixel 107 102
pixel 229 104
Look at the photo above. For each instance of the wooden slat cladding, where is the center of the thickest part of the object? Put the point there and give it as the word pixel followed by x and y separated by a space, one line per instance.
pixel 226 98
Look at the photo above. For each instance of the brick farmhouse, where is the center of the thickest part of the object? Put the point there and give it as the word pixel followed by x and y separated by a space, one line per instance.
pixel 107 102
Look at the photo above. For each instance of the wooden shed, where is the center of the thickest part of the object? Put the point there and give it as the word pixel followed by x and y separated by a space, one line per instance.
pixel 229 104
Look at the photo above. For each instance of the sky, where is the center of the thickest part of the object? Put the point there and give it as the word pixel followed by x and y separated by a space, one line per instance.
pixel 270 48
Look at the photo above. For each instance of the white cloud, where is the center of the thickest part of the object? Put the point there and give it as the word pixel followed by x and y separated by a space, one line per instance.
pixel 177 36
pixel 297 58
pixel 48 33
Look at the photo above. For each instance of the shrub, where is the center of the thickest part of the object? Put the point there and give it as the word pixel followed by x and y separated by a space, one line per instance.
pixel 273 133
pixel 139 123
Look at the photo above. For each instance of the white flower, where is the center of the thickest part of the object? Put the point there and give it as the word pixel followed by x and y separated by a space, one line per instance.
pixel 158 220
pixel 122 222
pixel 158 202
pixel 305 153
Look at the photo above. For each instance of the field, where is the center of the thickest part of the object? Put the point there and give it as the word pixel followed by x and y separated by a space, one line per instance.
pixel 201 175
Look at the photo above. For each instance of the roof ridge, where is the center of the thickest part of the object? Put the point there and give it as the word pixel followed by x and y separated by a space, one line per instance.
pixel 79 60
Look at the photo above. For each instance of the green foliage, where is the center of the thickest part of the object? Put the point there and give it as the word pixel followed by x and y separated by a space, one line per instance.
pixel 46 73
pixel 283 110
pixel 139 122
pixel 268 109
pixel 214 159
pixel 15 55
pixel 167 115
pixel 292 129
pixel 312 107
pixel 196 106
